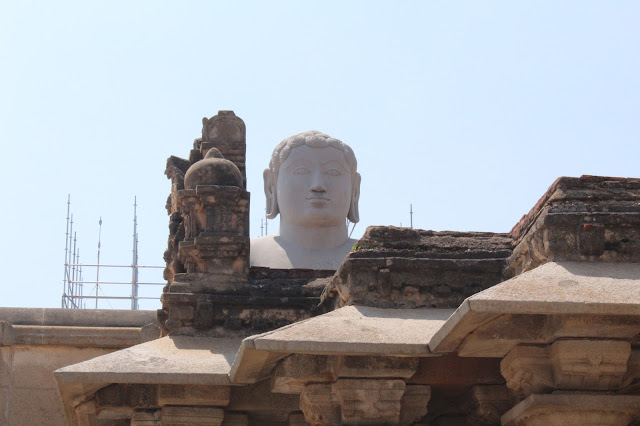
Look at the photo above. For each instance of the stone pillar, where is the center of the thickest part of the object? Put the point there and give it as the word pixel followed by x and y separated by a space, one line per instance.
pixel 586 371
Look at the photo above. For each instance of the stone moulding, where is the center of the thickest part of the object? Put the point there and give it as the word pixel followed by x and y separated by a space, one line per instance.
pixel 585 365
pixel 576 409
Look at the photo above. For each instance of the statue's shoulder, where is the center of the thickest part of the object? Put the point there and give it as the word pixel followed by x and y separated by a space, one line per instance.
pixel 267 252
pixel 264 242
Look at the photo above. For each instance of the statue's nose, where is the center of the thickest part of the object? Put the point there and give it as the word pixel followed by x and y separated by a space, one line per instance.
pixel 317 183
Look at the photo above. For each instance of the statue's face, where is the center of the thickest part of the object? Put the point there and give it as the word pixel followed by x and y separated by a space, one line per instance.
pixel 314 187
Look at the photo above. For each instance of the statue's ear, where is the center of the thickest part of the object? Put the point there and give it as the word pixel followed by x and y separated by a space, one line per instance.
pixel 354 213
pixel 270 194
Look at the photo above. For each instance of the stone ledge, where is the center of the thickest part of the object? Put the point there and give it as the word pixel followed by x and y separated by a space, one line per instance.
pixel 352 330
pixel 608 293
pixel 77 317
pixel 574 409
pixel 86 337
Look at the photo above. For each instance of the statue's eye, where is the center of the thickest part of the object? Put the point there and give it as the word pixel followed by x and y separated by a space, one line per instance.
pixel 333 172
pixel 301 171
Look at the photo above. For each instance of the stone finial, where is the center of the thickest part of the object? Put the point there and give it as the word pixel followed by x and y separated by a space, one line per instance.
pixel 213 170
pixel 224 127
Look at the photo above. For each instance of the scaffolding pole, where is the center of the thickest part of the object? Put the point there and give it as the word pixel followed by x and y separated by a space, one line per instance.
pixel 134 263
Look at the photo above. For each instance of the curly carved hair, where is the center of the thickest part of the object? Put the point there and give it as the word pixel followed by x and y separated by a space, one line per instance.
pixel 313 139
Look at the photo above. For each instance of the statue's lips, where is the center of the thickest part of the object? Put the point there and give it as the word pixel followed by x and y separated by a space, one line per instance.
pixel 318 201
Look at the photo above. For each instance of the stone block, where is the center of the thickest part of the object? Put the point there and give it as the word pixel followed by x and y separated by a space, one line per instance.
pixel 235 419
pixel 527 370
pixel 259 398
pixel 484 405
pixel 132 396
pixel 150 332
pixel 146 418
pixel 4 404
pixel 414 403
pixel 457 372
pixel 7 334
pixel 568 365
pixel 35 407
pixel 378 367
pixel 193 395
pixel 369 401
pixel 589 364
pixel 33 366
pixel 574 409
pixel 409 268
pixel 295 371
pixel 186 416
pixel 6 353
pixel 320 405
pixel 297 419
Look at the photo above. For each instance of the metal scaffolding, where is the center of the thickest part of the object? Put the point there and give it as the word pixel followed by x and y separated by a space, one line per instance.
pixel 73 296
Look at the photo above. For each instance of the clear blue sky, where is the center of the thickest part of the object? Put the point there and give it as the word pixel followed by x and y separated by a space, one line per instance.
pixel 467 110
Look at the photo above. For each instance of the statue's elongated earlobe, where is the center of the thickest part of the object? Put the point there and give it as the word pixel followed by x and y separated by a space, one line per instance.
pixel 270 194
pixel 354 213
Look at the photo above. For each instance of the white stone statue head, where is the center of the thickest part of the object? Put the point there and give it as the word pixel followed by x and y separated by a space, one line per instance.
pixel 312 181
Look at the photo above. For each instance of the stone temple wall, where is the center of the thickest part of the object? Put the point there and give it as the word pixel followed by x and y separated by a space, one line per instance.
pixel 35 341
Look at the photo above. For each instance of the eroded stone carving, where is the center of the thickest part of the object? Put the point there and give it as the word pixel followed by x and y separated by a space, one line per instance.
pixel 312 183
pixel 364 402
pixel 568 365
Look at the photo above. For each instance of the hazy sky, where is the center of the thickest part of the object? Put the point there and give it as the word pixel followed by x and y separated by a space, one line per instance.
pixel 467 110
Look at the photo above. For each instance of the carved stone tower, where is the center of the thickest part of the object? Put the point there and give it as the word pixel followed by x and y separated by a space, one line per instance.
pixel 211 289
pixel 209 231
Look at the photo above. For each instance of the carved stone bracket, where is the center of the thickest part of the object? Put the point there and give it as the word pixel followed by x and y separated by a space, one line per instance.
pixel 484 405
pixel 364 401
pixel 599 365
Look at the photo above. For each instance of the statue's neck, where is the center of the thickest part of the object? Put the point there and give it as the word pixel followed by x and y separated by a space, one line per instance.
pixel 313 238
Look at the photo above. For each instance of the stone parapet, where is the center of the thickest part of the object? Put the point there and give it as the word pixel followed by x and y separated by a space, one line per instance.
pixel 409 268
pixel 591 218
pixel 198 305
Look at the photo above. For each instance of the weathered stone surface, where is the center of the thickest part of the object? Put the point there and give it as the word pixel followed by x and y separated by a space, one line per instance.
pixel 485 404
pixel 146 418
pixel 451 374
pixel 295 371
pixel 53 317
pixel 408 268
pixel 358 330
pixel 576 409
pixel 568 365
pixel 235 419
pixel 261 404
pixel 414 403
pixel 180 360
pixel 364 401
pixel 43 340
pixel 378 367
pixel 591 218
pixel 353 330
pixel 527 370
pixel 271 299
pixel 7 334
pixel 192 416
pixel 213 169
pixel 320 405
pixel 193 395
pixel 555 300
pixel 297 419
pixel 33 407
